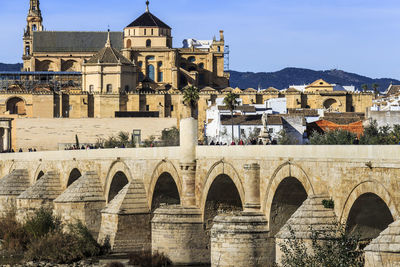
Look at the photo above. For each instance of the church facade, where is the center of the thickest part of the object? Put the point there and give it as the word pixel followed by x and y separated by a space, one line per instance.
pixel 146 42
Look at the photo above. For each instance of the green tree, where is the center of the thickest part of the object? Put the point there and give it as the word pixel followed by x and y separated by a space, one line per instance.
pixel 364 87
pixel 336 137
pixel 285 139
pixel 231 102
pixel 191 97
pixel 170 137
pixel 375 87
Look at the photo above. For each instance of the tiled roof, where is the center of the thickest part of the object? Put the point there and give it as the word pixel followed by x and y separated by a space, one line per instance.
pixel 322 126
pixel 109 55
pixel 148 20
pixel 304 112
pixel 344 118
pixel 241 120
pixel 274 120
pixel 47 41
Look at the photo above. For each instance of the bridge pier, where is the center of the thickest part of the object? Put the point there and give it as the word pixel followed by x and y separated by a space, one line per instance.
pixel 82 200
pixel 11 186
pixel 311 216
pixel 125 222
pixel 40 195
pixel 385 249
pixel 178 230
pixel 241 239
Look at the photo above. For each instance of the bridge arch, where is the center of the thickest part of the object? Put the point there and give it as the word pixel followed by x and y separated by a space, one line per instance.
pixel 217 169
pixel 286 170
pixel 163 169
pixel 117 177
pixel 368 209
pixel 368 186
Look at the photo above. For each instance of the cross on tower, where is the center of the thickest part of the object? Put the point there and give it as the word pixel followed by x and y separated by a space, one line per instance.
pixel 147 6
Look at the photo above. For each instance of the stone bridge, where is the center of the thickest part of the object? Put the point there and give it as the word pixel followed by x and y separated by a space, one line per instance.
pixel 119 195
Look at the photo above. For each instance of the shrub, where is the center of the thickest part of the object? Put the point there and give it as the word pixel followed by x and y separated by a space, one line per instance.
pixel 333 248
pixel 42 223
pixel 147 259
pixel 14 238
pixel 59 247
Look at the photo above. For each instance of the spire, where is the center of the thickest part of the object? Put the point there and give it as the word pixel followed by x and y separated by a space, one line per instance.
pixel 108 43
pixel 34 8
pixel 147 6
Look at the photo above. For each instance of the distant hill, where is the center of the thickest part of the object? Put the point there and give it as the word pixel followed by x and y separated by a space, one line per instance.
pixel 296 76
pixel 10 67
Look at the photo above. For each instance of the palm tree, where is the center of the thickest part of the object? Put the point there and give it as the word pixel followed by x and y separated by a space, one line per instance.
pixel 191 97
pixel 364 87
pixel 375 86
pixel 231 102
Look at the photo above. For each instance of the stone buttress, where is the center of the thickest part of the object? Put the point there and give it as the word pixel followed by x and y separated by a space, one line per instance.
pixel 12 186
pixel 311 216
pixel 125 222
pixel 83 200
pixel 385 249
pixel 39 195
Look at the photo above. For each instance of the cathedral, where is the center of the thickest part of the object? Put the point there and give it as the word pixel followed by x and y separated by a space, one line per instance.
pixel 146 44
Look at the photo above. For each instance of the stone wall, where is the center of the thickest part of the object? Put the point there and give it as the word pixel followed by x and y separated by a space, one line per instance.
pixel 30 131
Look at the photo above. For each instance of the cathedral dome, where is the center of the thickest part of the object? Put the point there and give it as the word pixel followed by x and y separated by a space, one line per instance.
pixel 147 19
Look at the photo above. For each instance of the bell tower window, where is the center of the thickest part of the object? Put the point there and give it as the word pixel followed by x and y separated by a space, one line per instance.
pixel 34 27
pixel 148 43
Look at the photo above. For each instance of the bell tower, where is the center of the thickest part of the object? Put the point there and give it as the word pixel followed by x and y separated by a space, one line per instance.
pixel 34 23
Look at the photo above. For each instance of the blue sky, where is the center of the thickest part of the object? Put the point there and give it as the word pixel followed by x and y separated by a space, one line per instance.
pixel 360 36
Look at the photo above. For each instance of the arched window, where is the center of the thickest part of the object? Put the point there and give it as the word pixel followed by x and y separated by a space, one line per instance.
pixel 145 32
pixel 109 88
pixel 192 59
pixel 91 88
pixel 34 27
pixel 16 105
pixel 201 65
pixel 148 43
pixel 129 43
pixel 27 51
pixel 152 32
pixel 140 64
pixel 219 49
pixel 150 72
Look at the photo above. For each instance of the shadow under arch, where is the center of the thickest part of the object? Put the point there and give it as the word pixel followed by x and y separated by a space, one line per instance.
pixel 120 167
pixel 164 166
pixel 165 191
pixel 118 182
pixel 74 175
pixel 368 186
pixel 217 169
pixel 285 170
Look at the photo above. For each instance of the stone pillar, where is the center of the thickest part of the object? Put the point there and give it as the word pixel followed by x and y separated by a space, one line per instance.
pixel 178 233
pixel 188 172
pixel 188 143
pixel 241 239
pixel 252 187
pixel 6 139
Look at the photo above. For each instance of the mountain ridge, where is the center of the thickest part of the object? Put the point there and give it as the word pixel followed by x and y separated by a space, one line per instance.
pixel 298 76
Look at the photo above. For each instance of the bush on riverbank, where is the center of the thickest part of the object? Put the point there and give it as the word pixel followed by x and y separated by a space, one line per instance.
pixel 147 259
pixel 42 238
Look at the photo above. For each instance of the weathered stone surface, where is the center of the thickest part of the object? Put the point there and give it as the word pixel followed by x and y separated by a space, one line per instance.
pixel 385 249
pixel 178 233
pixel 125 222
pixel 83 200
pixel 239 240
pixel 311 216
pixel 10 187
pixel 86 189
pixel 47 187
